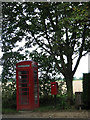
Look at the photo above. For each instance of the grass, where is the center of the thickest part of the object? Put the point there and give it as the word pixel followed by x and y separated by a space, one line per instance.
pixel 45 108
pixel 40 109
pixel 54 108
pixel 9 111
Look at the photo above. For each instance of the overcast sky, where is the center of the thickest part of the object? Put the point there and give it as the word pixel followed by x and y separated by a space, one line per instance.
pixel 83 67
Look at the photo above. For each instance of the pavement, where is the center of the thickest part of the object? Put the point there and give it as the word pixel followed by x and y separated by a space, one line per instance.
pixel 76 115
pixel 45 119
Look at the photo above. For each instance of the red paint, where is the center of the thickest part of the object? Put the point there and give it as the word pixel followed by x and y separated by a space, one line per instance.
pixel 27 85
pixel 54 88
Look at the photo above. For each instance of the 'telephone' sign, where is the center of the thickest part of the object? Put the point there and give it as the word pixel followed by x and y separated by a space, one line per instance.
pixel 23 66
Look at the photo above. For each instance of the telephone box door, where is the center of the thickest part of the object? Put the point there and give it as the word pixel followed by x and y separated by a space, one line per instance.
pixel 23 89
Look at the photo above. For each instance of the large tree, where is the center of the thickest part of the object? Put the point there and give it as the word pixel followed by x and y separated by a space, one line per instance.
pixel 60 30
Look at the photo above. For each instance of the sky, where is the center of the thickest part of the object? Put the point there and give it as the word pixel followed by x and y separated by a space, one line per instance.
pixel 83 67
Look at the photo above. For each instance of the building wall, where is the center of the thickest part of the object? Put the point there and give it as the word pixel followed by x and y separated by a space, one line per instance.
pixel 89 62
pixel 77 86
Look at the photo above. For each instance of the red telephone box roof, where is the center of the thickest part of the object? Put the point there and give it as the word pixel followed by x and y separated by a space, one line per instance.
pixel 53 82
pixel 26 63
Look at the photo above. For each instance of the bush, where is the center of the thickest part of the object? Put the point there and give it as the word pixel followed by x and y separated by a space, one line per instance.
pixel 60 103
pixel 46 100
pixel 8 96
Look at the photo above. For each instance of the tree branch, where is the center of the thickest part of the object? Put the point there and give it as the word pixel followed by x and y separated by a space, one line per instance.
pixel 73 42
pixel 86 53
pixel 50 46
pixel 81 50
pixel 50 18
pixel 41 45
pixel 67 39
pixel 53 55
pixel 58 67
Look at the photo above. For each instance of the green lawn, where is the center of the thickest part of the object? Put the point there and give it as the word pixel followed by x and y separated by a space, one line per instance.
pixel 47 108
pixel 9 111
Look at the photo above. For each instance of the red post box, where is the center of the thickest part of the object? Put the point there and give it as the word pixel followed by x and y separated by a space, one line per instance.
pixel 27 85
pixel 54 88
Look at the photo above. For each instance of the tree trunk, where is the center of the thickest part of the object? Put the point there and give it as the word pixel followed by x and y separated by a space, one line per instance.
pixel 69 79
pixel 69 84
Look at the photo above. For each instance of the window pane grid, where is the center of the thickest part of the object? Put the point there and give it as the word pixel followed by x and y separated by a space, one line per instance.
pixel 23 87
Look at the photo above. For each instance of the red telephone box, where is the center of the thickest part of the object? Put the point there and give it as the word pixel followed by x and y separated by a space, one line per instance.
pixel 54 88
pixel 27 85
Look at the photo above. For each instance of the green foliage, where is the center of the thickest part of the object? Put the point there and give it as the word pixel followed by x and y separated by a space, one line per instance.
pixel 62 90
pixel 48 99
pixel 63 102
pixel 47 71
pixel 11 34
pixel 9 111
pixel 49 103
pixel 9 95
pixel 44 87
pixel 86 90
pixel 9 65
pixel 45 64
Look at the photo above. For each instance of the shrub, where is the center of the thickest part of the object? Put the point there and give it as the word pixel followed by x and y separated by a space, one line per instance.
pixel 8 96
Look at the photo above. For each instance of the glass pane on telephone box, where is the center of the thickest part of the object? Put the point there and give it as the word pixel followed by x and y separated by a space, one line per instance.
pixel 23 87
pixel 35 87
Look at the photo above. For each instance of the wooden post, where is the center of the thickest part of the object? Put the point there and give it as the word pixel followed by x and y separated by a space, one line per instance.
pixel 55 100
pixel 78 100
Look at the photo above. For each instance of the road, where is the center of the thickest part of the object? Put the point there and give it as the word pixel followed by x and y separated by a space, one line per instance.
pixel 45 119
pixel 49 114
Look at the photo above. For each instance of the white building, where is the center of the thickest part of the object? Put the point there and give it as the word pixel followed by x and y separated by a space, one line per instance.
pixel 89 62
